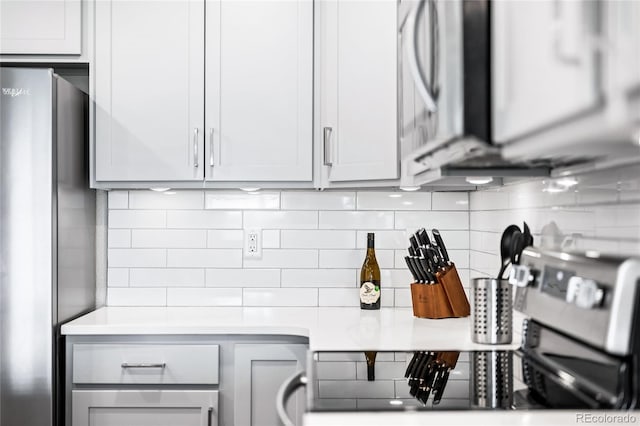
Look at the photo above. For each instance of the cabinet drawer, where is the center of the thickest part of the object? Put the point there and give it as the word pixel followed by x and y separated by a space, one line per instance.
pixel 145 363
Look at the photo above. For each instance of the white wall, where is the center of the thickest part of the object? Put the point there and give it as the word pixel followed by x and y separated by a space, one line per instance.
pixel 185 248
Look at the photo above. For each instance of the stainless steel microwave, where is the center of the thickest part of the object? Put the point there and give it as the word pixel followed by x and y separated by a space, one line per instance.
pixel 516 87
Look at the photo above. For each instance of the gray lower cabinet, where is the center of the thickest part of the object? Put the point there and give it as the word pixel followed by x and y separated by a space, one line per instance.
pixel 120 407
pixel 180 380
pixel 259 371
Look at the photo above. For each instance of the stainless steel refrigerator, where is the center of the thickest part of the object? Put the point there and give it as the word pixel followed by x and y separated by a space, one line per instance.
pixel 47 238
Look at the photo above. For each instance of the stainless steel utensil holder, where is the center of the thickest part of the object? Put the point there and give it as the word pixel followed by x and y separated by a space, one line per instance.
pixel 491 381
pixel 491 314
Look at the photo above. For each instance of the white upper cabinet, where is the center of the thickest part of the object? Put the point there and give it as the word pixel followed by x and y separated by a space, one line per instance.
pixel 149 90
pixel 42 27
pixel 545 64
pixel 259 86
pixel 358 89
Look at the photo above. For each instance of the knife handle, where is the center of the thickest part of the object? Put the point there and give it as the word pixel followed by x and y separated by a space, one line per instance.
pixel 441 246
pixel 414 242
pixel 423 237
pixel 410 266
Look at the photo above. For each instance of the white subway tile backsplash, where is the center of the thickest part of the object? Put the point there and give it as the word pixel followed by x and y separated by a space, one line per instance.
pixel 395 277
pixel 394 201
pixel 450 201
pixel 119 238
pixel 384 239
pixel 270 238
pixel 383 370
pixel 118 200
pixel 136 296
pixel 320 239
pixel 284 258
pixel 137 219
pixel 166 277
pixel 353 258
pixel 356 220
pixel 204 297
pixel 337 370
pixel 320 277
pixel 225 238
pixel 221 277
pixel 170 200
pixel 204 219
pixel 118 277
pixel 125 258
pixel 281 219
pixel 452 220
pixel 308 200
pixel 204 258
pixel 358 389
pixel 280 297
pixel 168 238
pixel 186 249
pixel 236 200
pixel 403 297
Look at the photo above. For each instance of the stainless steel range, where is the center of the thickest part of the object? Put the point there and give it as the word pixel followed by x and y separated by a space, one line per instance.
pixel 579 350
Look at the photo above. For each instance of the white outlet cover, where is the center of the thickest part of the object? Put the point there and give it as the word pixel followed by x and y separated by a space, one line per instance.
pixel 252 243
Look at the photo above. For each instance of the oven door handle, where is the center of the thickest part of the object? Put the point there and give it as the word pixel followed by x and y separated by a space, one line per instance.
pixel 284 393
pixel 422 85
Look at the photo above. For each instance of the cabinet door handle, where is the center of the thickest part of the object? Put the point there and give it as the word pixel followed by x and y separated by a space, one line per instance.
pixel 195 147
pixel 211 147
pixel 327 146
pixel 143 365
pixel 209 414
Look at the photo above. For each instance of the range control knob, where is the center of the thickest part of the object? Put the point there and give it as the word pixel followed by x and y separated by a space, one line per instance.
pixel 584 293
pixel 521 275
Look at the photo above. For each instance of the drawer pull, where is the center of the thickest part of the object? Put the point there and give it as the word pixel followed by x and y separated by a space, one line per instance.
pixel 143 365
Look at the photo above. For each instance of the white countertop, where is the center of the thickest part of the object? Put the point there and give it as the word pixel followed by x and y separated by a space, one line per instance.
pixel 476 418
pixel 341 329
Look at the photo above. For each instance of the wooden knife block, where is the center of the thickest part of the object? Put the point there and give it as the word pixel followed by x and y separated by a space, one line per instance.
pixel 444 299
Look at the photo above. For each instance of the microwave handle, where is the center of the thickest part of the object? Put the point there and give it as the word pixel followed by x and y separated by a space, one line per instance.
pixel 414 66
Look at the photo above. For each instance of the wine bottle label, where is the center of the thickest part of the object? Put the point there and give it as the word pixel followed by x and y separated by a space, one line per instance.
pixel 369 292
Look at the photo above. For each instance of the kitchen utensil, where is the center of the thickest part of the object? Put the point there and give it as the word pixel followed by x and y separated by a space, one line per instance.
pixel 407 259
pixel 505 248
pixel 414 242
pixel 491 313
pixel 441 246
pixel 517 245
pixel 423 237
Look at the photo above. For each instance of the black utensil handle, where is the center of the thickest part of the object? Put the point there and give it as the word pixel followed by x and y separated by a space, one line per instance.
pixel 423 237
pixel 407 372
pixel 441 246
pixel 414 242
pixel 410 266
pixel 431 278
pixel 412 251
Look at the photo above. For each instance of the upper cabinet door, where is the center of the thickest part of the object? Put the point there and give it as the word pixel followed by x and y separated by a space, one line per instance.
pixel 358 89
pixel 41 27
pixel 545 64
pixel 259 80
pixel 149 90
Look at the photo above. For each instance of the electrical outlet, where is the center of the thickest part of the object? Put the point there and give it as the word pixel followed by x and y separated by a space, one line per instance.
pixel 253 243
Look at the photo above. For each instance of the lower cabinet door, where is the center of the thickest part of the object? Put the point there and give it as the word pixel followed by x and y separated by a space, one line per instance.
pixel 144 408
pixel 260 370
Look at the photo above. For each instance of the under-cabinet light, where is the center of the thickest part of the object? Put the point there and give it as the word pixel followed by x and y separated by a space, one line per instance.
pixel 479 180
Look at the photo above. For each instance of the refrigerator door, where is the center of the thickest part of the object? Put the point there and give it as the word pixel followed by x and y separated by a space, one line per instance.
pixel 27 250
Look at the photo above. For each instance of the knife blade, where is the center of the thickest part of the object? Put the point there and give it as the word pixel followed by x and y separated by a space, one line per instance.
pixel 441 246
